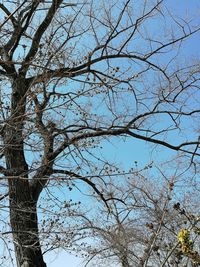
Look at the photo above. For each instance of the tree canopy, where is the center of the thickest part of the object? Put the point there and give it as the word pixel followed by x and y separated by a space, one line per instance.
pixel 75 74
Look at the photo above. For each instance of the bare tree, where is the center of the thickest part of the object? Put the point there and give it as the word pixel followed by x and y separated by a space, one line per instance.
pixel 149 224
pixel 76 73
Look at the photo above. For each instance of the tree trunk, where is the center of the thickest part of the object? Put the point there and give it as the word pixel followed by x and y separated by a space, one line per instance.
pixel 23 216
pixel 24 225
pixel 124 261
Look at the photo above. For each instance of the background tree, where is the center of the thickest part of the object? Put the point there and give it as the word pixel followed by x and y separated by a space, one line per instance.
pixel 75 74
pixel 149 223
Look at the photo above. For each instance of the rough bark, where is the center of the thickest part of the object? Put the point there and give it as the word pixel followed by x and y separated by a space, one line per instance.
pixel 124 261
pixel 23 214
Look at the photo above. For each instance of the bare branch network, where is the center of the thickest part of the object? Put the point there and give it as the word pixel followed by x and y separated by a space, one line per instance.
pixel 74 76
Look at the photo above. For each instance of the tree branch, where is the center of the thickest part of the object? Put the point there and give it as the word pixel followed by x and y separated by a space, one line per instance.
pixel 38 35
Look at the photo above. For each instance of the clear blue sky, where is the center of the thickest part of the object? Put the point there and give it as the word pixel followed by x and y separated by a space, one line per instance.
pixel 126 152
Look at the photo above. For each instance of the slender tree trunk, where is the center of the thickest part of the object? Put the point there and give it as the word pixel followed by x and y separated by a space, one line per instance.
pixel 23 216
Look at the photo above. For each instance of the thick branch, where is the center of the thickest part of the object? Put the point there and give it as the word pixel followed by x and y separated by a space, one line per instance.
pixel 119 132
pixel 40 31
pixel 90 183
pixel 10 15
pixel 85 68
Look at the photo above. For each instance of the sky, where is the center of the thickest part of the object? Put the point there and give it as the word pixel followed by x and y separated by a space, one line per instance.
pixel 124 152
pixel 129 151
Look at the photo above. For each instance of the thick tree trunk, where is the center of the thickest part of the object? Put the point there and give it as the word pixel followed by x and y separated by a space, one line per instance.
pixel 23 219
pixel 23 216
pixel 124 261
